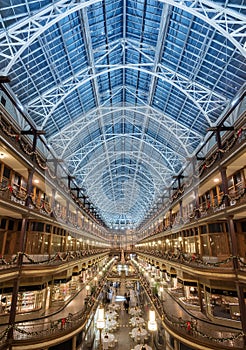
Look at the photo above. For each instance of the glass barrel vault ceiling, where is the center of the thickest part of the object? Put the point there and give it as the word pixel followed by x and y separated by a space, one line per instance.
pixel 125 90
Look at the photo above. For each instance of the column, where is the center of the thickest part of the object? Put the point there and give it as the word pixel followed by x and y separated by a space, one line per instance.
pixel 67 211
pixel 225 185
pixel 16 284
pixel 4 243
pixel 52 203
pixel 21 250
pixel 74 343
pixel 176 344
pixel 200 296
pixel 240 289
pixel 181 209
pixel 170 218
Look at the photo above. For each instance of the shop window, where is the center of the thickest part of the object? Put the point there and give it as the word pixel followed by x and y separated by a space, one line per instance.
pixel 3 223
pixel 230 182
pixel 11 225
pixel 215 227
pixel 243 226
pixel 34 245
pixel 6 176
pixel 23 183
pixel 205 245
pixel 12 242
pixel 19 226
pixel 17 180
pixel 237 177
pixel 38 226
pixel 219 244
pixel 6 172
pixel 171 340
pixel 45 239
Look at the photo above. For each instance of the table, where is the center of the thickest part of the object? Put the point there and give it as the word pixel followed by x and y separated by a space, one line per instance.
pixel 139 334
pixel 137 321
pixel 108 340
pixel 140 347
pixel 111 314
pixel 111 324
pixel 114 307
pixel 135 311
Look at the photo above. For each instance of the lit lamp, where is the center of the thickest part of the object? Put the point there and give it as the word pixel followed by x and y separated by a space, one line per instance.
pixel 100 323
pixel 87 289
pixel 152 325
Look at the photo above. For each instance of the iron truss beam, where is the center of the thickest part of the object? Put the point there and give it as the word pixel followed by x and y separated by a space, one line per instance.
pixel 62 141
pixel 16 39
pixel 88 151
pixel 204 99
pixel 90 169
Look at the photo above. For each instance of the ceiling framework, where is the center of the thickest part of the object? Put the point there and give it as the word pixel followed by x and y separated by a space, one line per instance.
pixel 124 89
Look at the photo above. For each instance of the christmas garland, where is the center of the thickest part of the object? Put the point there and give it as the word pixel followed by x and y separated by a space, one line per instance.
pixel 189 326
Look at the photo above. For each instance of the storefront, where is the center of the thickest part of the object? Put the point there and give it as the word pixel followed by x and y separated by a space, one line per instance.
pixel 28 300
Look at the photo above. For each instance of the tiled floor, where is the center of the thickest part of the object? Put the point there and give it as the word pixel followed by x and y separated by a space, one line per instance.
pixel 172 307
pixel 125 342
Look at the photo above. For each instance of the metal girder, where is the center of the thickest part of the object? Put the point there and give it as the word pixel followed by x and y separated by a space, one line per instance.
pixel 79 157
pixel 99 193
pixel 15 40
pixel 164 152
pixel 159 48
pixel 142 146
pixel 203 98
pixel 183 135
pixel 99 173
pixel 90 169
pixel 140 198
pixel 89 53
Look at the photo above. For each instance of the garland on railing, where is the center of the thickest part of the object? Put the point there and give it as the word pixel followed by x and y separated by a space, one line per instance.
pixel 215 339
pixel 4 333
pixel 62 323
pixel 208 163
pixel 190 326
pixel 14 192
pixel 45 206
pixel 58 256
pixel 3 261
pixel 23 197
pixel 228 145
pixel 26 148
pixel 191 259
pixel 198 212
pixel 65 323
pixel 241 261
